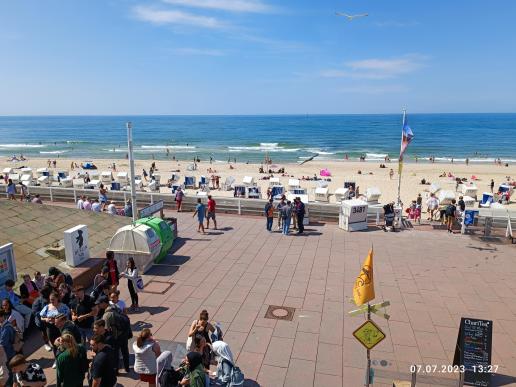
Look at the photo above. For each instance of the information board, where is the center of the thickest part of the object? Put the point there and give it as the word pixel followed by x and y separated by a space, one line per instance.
pixel 152 209
pixel 7 263
pixel 473 351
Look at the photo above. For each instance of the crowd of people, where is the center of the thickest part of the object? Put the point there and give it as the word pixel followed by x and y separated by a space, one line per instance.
pixel 288 213
pixel 101 204
pixel 73 320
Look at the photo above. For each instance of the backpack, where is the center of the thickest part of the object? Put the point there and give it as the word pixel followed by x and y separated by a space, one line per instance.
pixel 68 279
pixel 122 322
pixel 237 377
pixel 450 210
pixel 170 378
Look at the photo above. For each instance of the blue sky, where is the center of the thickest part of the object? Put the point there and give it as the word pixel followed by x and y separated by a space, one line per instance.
pixel 256 56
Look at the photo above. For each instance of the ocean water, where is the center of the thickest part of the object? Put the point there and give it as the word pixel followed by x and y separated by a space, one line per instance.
pixel 480 137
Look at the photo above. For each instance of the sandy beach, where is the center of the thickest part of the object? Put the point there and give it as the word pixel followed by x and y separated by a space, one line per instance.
pixel 371 174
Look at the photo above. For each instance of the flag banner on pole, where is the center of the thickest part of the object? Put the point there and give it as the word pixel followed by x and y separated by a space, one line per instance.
pixel 363 291
pixel 400 167
pixel 406 136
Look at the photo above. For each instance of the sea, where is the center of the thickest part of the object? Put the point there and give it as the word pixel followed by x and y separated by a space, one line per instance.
pixel 282 138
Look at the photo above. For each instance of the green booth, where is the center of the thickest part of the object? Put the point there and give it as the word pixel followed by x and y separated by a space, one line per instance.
pixel 164 232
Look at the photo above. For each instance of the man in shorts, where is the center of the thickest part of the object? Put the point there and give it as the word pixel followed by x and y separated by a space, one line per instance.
pixel 200 210
pixel 211 212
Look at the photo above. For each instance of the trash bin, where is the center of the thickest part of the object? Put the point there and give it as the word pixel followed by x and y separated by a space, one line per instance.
pixel 138 241
pixel 353 215
pixel 164 232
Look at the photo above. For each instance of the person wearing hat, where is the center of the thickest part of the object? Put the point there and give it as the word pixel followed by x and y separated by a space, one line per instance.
pixel 66 326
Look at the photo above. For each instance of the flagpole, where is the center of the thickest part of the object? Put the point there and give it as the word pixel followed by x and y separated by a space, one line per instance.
pixel 368 370
pixel 400 161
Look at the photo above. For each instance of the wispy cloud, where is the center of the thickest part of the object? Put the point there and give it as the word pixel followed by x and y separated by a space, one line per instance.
pixel 251 6
pixel 198 51
pixel 377 68
pixel 174 17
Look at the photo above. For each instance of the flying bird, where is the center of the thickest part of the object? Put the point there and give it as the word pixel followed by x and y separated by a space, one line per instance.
pixel 351 17
pixel 309 159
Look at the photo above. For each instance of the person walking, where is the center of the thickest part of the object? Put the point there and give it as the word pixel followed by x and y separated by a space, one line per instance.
pixel 200 210
pixel 179 199
pixel 432 204
pixel 269 214
pixel 131 273
pixel 451 209
pixel 102 370
pixel 286 216
pixel 11 190
pixel 211 213
pixel 146 351
pixel 300 213
pixel 72 363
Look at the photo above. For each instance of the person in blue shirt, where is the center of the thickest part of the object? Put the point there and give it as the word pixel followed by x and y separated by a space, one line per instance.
pixel 8 293
pixel 7 335
pixel 200 211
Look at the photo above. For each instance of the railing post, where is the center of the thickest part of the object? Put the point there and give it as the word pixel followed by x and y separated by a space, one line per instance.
pixel 239 208
pixel 51 196
pixel 377 218
pixel 74 196
pixel 125 197
pixel 151 199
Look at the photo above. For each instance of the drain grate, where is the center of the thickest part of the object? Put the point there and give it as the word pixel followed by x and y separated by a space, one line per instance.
pixel 280 312
pixel 157 287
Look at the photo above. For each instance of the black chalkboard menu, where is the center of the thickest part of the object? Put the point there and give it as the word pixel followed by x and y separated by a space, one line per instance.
pixel 473 351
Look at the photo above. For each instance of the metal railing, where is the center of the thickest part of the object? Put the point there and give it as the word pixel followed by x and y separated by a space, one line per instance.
pixel 318 212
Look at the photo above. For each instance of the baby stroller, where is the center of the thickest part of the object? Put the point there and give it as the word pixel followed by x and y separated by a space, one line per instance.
pixel 388 210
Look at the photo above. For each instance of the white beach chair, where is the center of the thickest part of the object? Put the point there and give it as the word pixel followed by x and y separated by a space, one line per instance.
pixel 67 182
pixel 341 194
pixel 293 184
pixel 487 200
pixel 445 197
pixel 42 172
pixel 469 201
pixel 26 179
pixel 434 188
pixel 78 183
pixel 274 181
pixel 248 180
pixel 470 190
pixel 122 178
pixel 7 171
pixel 228 184
pixel 239 191
pixel 94 184
pixel 322 194
pixel 106 177
pixel 43 181
pixel 189 182
pixel 373 195
pixel 253 192
pixel 15 177
pixel 153 186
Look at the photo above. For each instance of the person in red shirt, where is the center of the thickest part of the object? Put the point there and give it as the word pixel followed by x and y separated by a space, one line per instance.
pixel 211 212
pixel 111 264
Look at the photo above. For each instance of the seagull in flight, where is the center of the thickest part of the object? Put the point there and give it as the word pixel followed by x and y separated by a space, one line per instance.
pixel 351 17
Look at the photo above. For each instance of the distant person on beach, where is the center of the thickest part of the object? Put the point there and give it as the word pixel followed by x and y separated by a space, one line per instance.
pixel 391 174
pixel 200 210
pixel 179 199
pixel 11 190
pixel 467 161
pixel 211 213
pixel 144 174
pixel 24 192
pixel 490 185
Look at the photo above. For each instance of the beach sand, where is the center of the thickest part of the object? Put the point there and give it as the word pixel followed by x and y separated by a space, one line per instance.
pixel 372 175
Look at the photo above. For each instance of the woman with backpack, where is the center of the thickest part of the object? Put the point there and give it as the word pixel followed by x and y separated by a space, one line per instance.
pixel 72 363
pixel 146 351
pixel 228 374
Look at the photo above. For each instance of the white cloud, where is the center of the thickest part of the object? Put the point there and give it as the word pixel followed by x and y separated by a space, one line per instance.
pixel 198 51
pixel 254 6
pixel 377 68
pixel 160 17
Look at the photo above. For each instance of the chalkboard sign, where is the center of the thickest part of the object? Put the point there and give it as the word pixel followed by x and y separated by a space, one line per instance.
pixel 473 351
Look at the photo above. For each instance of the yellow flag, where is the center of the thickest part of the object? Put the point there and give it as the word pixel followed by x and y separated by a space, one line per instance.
pixel 363 291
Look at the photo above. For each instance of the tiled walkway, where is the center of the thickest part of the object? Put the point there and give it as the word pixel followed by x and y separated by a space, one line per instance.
pixel 431 278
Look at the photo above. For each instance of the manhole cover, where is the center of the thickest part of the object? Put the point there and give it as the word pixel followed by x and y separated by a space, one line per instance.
pixel 280 312
pixel 157 287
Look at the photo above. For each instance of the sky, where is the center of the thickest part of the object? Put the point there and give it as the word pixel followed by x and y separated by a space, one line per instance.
pixel 110 57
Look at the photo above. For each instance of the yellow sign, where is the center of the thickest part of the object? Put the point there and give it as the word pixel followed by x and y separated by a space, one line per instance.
pixel 363 291
pixel 369 334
